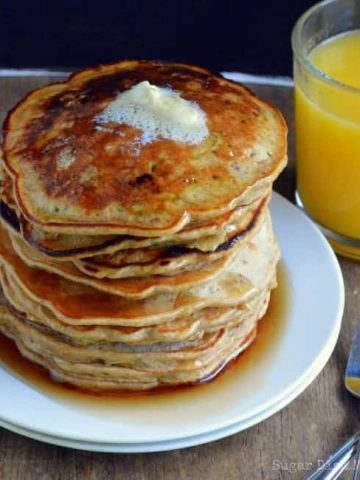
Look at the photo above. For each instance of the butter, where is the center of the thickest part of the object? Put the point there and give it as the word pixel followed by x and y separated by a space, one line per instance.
pixel 157 112
pixel 165 104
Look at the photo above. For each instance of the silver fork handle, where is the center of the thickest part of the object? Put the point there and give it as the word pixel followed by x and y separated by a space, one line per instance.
pixel 356 475
pixel 337 461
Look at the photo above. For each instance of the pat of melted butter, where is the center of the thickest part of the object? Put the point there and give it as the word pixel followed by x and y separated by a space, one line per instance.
pixel 165 104
pixel 157 112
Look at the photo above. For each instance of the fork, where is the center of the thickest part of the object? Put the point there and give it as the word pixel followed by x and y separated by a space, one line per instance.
pixel 337 461
pixel 352 383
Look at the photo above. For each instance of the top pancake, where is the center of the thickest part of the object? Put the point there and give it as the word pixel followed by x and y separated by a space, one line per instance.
pixel 110 183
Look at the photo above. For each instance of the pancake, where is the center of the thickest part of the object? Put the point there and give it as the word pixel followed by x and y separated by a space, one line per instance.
pixel 158 356
pixel 136 244
pixel 176 258
pixel 72 177
pixel 134 371
pixel 204 237
pixel 97 377
pixel 132 287
pixel 251 270
pixel 184 328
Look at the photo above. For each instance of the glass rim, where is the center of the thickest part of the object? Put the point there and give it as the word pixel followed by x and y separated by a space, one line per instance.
pixel 304 59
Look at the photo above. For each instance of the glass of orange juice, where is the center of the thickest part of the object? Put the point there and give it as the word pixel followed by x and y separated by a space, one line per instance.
pixel 326 46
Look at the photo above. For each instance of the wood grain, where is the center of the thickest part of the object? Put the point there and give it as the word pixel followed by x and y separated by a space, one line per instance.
pixel 298 436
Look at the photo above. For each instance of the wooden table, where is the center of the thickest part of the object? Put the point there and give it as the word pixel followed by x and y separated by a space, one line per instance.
pixel 284 446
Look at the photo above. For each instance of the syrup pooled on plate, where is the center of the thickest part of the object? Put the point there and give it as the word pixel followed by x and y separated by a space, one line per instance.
pixel 270 332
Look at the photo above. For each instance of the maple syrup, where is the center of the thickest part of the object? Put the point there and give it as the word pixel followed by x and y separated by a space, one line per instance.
pixel 269 334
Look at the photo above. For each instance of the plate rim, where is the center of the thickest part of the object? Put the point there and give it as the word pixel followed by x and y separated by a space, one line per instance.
pixel 207 429
pixel 176 444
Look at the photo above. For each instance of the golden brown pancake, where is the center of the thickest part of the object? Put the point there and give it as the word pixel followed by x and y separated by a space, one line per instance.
pixel 103 369
pixel 208 237
pixel 205 236
pixel 190 327
pixel 131 260
pixel 166 260
pixel 105 186
pixel 132 287
pixel 250 272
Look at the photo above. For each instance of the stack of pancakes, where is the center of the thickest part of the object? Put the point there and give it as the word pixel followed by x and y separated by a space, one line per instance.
pixel 131 265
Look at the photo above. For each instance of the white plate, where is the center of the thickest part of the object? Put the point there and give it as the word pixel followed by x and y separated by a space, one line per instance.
pixel 317 301
pixel 185 442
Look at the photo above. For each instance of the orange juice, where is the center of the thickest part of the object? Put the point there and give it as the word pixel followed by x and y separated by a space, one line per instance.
pixel 328 136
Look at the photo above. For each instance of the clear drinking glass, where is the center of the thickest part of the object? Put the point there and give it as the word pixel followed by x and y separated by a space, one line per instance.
pixel 327 119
